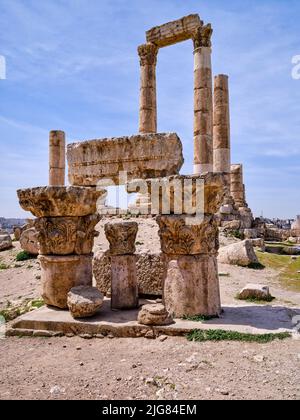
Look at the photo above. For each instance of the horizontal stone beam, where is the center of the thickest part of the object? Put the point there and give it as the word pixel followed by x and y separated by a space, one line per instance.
pixel 173 32
pixel 141 156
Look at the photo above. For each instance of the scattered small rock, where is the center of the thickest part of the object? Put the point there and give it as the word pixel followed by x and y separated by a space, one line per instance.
pixel 81 364
pixel 99 336
pixel 259 358
pixel 86 336
pixel 150 334
pixel 163 338
pixel 69 335
pixel 110 335
pixel 78 348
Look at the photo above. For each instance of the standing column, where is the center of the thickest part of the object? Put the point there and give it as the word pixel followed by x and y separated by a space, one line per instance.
pixel 57 147
pixel 203 103
pixel 124 289
pixel 221 124
pixel 148 107
pixel 237 187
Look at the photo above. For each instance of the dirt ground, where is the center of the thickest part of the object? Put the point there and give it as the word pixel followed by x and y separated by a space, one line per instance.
pixel 74 368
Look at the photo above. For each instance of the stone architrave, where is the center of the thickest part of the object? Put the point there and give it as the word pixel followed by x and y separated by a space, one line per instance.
pixel 140 156
pixel 148 107
pixel 203 101
pixel 183 194
pixel 66 235
pixel 61 273
pixel 57 158
pixel 173 32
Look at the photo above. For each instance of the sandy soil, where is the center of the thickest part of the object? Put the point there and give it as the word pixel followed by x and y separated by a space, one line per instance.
pixel 40 368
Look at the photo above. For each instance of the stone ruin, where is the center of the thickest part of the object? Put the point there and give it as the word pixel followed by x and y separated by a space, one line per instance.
pixel 66 216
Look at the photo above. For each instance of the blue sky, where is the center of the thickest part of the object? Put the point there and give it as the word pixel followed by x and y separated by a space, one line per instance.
pixel 72 65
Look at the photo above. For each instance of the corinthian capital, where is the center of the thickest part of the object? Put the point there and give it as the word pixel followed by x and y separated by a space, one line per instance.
pixel 148 54
pixel 202 36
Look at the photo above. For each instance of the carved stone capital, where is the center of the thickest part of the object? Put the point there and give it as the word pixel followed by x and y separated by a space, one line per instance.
pixel 202 36
pixel 148 54
pixel 121 237
pixel 66 235
pixel 182 235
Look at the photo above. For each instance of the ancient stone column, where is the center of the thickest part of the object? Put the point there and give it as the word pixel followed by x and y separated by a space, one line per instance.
pixel 221 125
pixel 190 246
pixel 203 103
pixel 124 289
pixel 148 107
pixel 65 225
pixel 57 147
pixel 237 188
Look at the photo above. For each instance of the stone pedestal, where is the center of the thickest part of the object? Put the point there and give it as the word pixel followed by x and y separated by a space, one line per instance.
pixel 57 158
pixel 191 285
pixel 124 288
pixel 61 273
pixel 65 231
pixel 203 103
pixel 148 107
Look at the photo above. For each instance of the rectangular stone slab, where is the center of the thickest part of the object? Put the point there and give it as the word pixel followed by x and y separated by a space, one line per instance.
pixel 141 156
pixel 173 32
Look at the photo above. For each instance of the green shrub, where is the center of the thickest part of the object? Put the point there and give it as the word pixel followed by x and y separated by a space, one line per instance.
pixel 221 335
pixel 23 256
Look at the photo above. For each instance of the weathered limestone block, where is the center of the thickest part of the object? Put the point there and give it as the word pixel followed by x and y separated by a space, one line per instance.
pixel 183 194
pixel 296 227
pixel 192 286
pixel 259 243
pixel 155 314
pixel 181 235
pixel 231 225
pixel 150 269
pixel 141 156
pixel 66 235
pixel 59 201
pixel 255 291
pixel 240 253
pixel 173 32
pixel 57 158
pixel 124 289
pixel 121 237
pixel 250 233
pixel 5 242
pixel 29 241
pixel 84 301
pixel 19 229
pixel 61 273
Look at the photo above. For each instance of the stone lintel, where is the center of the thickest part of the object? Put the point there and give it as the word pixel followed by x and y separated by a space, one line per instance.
pixel 172 32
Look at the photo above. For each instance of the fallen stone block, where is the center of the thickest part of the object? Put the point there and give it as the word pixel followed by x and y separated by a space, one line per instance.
pixel 241 254
pixel 84 301
pixel 255 291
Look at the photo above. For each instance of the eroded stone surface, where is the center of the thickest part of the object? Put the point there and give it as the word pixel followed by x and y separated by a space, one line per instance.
pixel 150 269
pixel 255 291
pixel 124 289
pixel 29 241
pixel 192 286
pixel 175 31
pixel 155 314
pixel 84 301
pixel 5 241
pixel 121 237
pixel 61 273
pixel 66 235
pixel 59 201
pixel 180 235
pixel 241 253
pixel 183 194
pixel 141 156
